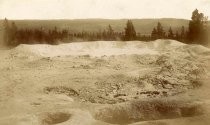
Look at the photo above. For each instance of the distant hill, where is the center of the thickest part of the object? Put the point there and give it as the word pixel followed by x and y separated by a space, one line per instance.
pixel 143 26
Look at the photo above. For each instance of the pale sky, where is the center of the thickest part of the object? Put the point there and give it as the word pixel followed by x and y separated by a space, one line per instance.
pixel 117 9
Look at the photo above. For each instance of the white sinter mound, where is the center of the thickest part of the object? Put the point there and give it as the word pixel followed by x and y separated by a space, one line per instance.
pixel 107 48
pixel 94 49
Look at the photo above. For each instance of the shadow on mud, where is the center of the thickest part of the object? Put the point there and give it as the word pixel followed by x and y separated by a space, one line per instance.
pixel 55 118
pixel 145 110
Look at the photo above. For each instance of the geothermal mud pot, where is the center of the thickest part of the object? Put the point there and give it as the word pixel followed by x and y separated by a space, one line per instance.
pixel 163 82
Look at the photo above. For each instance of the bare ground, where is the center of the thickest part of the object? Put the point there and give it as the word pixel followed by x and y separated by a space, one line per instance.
pixel 159 83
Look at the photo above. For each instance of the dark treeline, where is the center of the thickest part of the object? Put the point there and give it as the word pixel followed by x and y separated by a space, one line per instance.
pixel 14 36
pixel 195 34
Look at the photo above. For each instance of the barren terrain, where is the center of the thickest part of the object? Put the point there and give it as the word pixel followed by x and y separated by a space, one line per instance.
pixel 163 82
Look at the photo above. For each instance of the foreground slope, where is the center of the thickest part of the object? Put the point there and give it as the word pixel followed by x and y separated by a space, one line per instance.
pixel 105 83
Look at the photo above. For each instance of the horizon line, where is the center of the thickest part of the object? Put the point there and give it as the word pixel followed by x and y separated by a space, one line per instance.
pixel 96 18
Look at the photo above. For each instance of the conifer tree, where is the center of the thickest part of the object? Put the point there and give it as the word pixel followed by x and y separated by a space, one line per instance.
pixel 110 33
pixel 130 33
pixel 170 33
pixel 154 33
pixel 177 36
pixel 182 33
pixel 160 31
pixel 197 28
pixel 6 31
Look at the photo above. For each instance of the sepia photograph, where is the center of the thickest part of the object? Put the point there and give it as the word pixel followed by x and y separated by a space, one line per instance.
pixel 104 62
